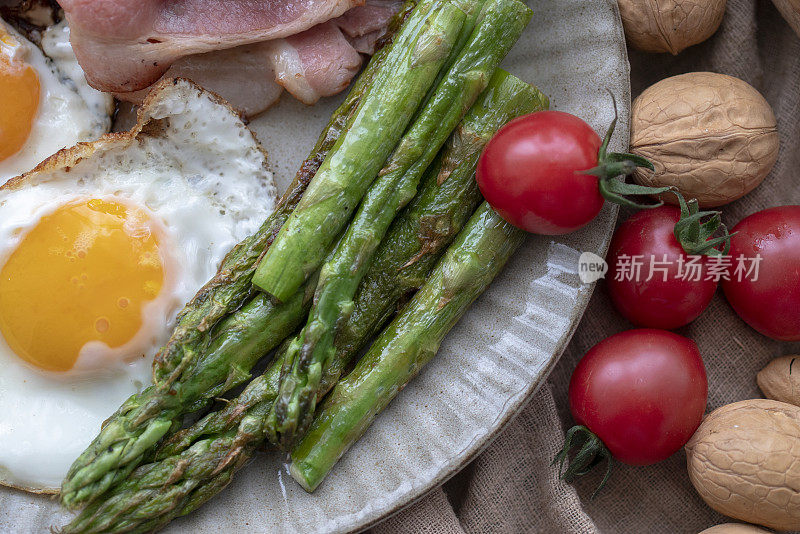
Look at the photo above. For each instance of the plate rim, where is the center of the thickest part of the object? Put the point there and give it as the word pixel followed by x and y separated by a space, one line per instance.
pixel 391 507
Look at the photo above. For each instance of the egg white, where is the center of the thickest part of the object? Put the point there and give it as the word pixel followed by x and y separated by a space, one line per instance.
pixel 58 49
pixel 199 171
pixel 70 111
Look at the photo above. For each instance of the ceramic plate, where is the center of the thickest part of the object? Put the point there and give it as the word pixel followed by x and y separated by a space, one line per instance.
pixel 493 360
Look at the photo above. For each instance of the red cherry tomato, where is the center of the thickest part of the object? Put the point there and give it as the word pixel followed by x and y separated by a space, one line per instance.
pixel 642 392
pixel 770 302
pixel 668 291
pixel 530 173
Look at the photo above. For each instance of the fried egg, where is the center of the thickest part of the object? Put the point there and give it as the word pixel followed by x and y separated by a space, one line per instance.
pixel 99 247
pixel 45 102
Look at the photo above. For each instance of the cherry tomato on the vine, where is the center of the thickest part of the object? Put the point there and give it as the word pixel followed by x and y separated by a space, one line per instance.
pixel 766 294
pixel 550 173
pixel 641 392
pixel 530 173
pixel 653 281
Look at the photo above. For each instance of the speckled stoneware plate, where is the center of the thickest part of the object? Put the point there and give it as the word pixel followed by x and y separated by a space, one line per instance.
pixel 490 364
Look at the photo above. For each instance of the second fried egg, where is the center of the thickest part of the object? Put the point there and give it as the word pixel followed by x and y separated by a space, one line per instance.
pixel 45 102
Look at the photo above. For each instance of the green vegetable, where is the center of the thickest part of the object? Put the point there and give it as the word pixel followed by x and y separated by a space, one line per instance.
pixel 499 26
pixel 470 264
pixel 156 493
pixel 242 339
pixel 410 68
pixel 447 198
pixel 210 451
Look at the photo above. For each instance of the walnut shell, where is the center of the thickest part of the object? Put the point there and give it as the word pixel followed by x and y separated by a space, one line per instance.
pixel 744 461
pixel 790 9
pixel 780 380
pixel 734 528
pixel 669 25
pixel 712 136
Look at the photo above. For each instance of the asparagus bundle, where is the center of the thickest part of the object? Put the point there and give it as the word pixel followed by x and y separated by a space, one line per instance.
pixel 198 462
pixel 184 378
pixel 474 259
pixel 499 25
pixel 448 196
pixel 409 70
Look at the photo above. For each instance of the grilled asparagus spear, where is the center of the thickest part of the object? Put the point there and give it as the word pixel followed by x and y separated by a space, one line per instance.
pixel 195 464
pixel 499 25
pixel 474 259
pixel 410 69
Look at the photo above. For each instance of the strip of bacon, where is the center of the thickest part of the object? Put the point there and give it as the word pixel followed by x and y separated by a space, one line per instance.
pixel 126 45
pixel 316 63
pixel 244 76
pixel 369 18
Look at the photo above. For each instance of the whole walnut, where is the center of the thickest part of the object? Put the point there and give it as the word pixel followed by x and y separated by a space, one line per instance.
pixel 744 461
pixel 780 379
pixel 670 25
pixel 712 136
pixel 790 9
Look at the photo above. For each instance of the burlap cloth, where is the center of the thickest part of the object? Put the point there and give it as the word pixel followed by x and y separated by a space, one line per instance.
pixel 511 487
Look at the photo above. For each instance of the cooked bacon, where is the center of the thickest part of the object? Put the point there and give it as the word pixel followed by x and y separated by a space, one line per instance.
pixel 311 64
pixel 366 43
pixel 126 45
pixel 244 76
pixel 369 18
pixel 315 63
pixel 321 61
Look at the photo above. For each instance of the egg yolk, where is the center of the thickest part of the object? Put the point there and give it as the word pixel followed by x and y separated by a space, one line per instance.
pixel 82 274
pixel 19 99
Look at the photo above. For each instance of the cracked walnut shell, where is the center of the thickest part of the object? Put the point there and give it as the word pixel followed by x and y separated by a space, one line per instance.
pixel 712 136
pixel 744 461
pixel 669 25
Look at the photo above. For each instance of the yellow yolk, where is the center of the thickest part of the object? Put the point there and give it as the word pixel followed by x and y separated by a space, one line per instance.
pixel 82 274
pixel 19 99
